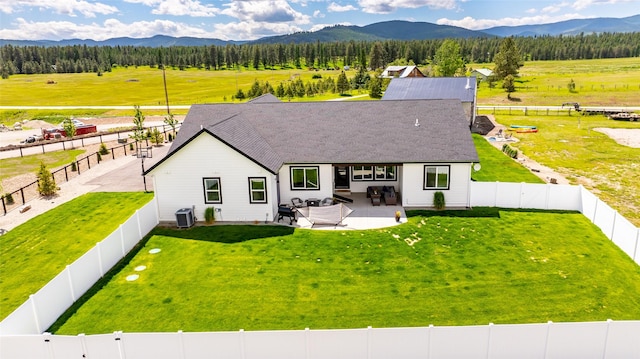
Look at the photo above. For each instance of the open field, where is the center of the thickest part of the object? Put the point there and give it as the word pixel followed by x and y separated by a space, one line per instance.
pixel 13 167
pixel 569 145
pixel 606 82
pixel 465 268
pixel 36 251
pixel 496 166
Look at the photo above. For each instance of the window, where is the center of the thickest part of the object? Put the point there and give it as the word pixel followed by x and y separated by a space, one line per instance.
pixel 373 173
pixel 212 191
pixel 436 177
pixel 362 173
pixel 385 173
pixel 257 190
pixel 305 178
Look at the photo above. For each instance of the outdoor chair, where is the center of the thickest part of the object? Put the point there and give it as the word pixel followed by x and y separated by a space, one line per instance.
pixel 297 202
pixel 327 201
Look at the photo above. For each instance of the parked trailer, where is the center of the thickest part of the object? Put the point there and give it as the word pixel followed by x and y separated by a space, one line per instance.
pixel 55 133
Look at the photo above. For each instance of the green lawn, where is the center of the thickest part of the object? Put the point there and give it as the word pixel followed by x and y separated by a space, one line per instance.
pixel 496 166
pixel 10 167
pixel 35 252
pixel 441 268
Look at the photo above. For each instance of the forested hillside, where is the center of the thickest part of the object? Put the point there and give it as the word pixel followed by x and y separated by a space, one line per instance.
pixel 76 59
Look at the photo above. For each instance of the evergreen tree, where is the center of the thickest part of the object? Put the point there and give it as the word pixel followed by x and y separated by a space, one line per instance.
pixel 507 60
pixel 509 85
pixel 448 59
pixel 343 84
pixel 46 183
pixel 376 56
pixel 375 87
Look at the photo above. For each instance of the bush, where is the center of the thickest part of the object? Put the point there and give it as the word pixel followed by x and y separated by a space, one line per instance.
pixel 103 149
pixel 209 215
pixel 9 198
pixel 438 200
pixel 46 183
pixel 74 166
pixel 511 152
pixel 156 137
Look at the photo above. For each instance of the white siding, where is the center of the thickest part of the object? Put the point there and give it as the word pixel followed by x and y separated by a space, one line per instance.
pixel 178 182
pixel 413 194
pixel 326 183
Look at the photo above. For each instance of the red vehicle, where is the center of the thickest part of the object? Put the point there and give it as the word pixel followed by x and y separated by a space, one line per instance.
pixel 53 133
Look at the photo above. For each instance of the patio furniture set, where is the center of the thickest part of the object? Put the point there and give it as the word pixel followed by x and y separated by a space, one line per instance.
pixel 386 193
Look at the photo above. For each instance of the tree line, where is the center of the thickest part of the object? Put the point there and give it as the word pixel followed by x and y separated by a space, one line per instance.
pixel 377 54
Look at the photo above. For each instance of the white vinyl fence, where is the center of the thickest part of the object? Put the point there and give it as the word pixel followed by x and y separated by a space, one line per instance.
pixel 610 339
pixel 20 336
pixel 45 306
pixel 561 197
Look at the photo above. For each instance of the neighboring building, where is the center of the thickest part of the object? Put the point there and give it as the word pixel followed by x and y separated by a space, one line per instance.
pixel 401 72
pixel 481 74
pixel 245 159
pixel 436 88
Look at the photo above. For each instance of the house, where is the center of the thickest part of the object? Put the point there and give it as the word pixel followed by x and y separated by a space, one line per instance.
pixel 436 88
pixel 245 159
pixel 481 74
pixel 401 72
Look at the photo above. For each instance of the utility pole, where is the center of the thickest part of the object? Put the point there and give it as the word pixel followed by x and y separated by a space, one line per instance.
pixel 166 94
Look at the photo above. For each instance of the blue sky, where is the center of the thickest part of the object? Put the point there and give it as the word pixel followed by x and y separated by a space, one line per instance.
pixel 252 19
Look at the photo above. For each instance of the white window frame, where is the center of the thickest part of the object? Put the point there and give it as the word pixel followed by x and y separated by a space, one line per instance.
pixel 253 191
pixel 439 170
pixel 207 190
pixel 359 173
pixel 387 175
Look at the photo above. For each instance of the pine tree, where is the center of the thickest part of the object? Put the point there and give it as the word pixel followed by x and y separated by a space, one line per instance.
pixel 343 84
pixel 46 182
pixel 507 60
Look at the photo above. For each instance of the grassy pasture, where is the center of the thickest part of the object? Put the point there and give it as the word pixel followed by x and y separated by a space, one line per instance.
pixel 142 86
pixel 569 145
pixel 35 252
pixel 496 166
pixel 605 82
pixel 441 268
pixel 10 167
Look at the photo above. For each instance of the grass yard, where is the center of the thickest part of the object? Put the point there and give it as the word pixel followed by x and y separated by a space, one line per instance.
pixel 441 268
pixel 569 145
pixel 35 252
pixel 11 167
pixel 496 166
pixel 602 82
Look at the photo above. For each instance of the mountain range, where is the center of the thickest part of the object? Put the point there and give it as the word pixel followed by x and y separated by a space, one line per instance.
pixel 389 30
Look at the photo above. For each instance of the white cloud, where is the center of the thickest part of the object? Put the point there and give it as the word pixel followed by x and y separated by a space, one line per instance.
pixel 179 7
pixel 64 7
pixel 531 11
pixel 271 11
pixel 318 14
pixel 333 7
pixel 251 30
pixel 59 30
pixel 479 24
pixel 386 6
pixel 583 4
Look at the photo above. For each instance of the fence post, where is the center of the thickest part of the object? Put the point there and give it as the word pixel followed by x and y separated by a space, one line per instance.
pixel 613 225
pixel 83 344
pixel 495 195
pixel 606 339
pixel 22 195
pixel 124 253
pixel 521 194
pixel 47 344
pixel 100 259
pixel 78 166
pixel 88 162
pixel 489 341
pixel 306 343
pixel 635 251
pixel 4 207
pixel 242 353
pixel 73 295
pixel 546 342
pixel 140 235
pixel 118 340
pixel 430 329
pixel 181 341
pixel 369 342
pixel 113 156
pixel 35 313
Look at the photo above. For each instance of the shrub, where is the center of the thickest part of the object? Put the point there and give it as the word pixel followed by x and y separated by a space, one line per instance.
pixel 156 137
pixel 103 149
pixel 46 183
pixel 74 166
pixel 9 198
pixel 209 215
pixel 438 200
pixel 511 152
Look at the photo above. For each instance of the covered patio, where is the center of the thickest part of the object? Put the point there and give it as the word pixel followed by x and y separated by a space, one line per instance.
pixel 364 215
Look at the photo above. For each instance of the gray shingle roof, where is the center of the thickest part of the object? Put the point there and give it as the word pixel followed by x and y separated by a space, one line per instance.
pixel 431 88
pixel 348 132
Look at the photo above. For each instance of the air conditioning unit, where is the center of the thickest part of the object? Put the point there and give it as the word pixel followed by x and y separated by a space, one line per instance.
pixel 185 218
